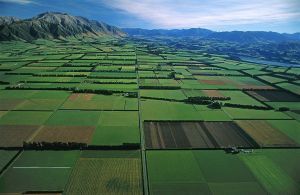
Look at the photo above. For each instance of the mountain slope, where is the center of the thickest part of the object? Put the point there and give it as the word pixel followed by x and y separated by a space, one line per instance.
pixel 5 20
pixel 55 25
pixel 233 36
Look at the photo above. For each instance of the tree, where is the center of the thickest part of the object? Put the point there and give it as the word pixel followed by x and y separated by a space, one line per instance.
pixel 214 105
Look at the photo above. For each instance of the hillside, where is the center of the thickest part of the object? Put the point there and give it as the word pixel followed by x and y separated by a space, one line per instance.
pixel 54 25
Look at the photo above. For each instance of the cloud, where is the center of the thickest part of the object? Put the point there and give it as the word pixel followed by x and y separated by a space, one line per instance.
pixel 17 1
pixel 208 13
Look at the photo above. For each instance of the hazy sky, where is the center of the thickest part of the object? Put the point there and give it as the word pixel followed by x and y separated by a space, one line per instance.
pixel 220 15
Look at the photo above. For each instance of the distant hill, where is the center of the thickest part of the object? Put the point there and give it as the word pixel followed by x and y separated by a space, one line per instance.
pixel 233 36
pixel 199 32
pixel 53 25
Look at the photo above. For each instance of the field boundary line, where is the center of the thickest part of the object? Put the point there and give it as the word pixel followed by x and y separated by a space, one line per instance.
pixel 142 136
pixel 38 167
pixel 14 158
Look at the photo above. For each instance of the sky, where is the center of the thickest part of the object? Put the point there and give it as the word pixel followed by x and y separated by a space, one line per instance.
pixel 219 15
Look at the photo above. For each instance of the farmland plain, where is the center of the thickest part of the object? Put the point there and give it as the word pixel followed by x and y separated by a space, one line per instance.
pixel 133 116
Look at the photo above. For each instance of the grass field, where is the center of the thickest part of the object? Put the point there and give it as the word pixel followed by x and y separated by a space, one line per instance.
pixel 177 111
pixel 270 175
pixel 38 171
pixel 238 113
pixel 5 157
pixel 74 117
pixel 192 172
pixel 106 172
pixel 288 127
pixel 164 94
pixel 99 102
pixel 117 128
pixel 25 118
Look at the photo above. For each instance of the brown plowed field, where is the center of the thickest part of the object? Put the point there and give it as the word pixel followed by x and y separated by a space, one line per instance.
pixel 74 96
pixel 265 135
pixel 78 134
pixel 7 104
pixel 228 134
pixel 15 135
pixel 88 96
pixel 172 135
pixel 213 82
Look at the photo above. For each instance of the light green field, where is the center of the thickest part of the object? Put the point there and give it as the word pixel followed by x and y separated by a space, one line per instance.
pixel 165 110
pixel 73 117
pixel 238 113
pixel 239 97
pixel 270 175
pixel 164 94
pixel 25 117
pixel 290 87
pixel 192 172
pixel 116 128
pixel 288 127
pixel 106 172
pixel 100 102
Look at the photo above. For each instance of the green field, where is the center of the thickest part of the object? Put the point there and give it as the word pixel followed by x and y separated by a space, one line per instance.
pixel 238 113
pixel 116 128
pixel 106 172
pixel 25 117
pixel 74 117
pixel 38 171
pixel 192 172
pixel 100 102
pixel 5 157
pixel 271 176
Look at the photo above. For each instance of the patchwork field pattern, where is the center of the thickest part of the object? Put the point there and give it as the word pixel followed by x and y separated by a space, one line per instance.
pixel 136 116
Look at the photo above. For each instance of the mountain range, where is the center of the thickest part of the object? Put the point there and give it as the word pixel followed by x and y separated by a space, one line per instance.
pixel 60 25
pixel 53 25
pixel 233 36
